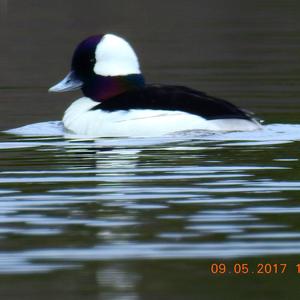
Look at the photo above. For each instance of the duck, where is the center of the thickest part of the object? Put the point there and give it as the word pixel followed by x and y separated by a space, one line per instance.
pixel 117 101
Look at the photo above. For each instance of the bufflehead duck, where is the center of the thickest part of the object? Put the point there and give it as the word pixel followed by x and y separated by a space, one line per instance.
pixel 117 102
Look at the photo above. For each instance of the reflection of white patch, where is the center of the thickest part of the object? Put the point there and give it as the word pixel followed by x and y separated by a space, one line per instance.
pixel 80 119
pixel 114 56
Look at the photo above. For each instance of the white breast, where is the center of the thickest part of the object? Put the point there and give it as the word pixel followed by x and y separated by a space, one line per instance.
pixel 79 119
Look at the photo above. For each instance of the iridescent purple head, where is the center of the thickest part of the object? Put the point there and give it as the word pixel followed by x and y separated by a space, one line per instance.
pixel 84 57
pixel 102 66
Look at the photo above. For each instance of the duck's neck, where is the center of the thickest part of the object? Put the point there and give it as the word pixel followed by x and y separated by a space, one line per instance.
pixel 100 88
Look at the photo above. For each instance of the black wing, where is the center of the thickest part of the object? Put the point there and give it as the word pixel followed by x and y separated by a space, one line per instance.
pixel 174 98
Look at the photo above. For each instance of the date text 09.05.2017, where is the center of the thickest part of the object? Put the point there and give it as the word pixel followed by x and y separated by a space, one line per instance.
pixel 257 269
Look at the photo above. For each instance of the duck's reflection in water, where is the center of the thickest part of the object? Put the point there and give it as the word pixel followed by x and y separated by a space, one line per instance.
pixel 117 282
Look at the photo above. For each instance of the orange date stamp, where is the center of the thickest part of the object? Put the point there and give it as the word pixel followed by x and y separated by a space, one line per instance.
pixel 255 269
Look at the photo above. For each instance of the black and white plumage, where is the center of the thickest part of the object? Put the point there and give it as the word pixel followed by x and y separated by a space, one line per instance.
pixel 174 98
pixel 117 101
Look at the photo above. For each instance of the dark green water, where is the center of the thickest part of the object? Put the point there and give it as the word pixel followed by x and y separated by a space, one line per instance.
pixel 138 219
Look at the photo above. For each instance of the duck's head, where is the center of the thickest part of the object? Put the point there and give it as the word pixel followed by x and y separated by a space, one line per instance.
pixel 103 66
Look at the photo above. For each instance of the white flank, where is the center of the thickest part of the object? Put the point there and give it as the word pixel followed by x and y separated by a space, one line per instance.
pixel 115 57
pixel 79 119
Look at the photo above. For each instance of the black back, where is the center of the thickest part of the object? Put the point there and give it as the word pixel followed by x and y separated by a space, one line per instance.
pixel 173 98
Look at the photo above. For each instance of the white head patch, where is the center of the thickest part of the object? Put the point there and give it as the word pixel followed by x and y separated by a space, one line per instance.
pixel 114 57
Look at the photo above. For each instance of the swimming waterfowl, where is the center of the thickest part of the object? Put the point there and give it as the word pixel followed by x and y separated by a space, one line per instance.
pixel 117 101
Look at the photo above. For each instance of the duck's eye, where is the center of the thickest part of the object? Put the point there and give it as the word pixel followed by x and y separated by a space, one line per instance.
pixel 92 60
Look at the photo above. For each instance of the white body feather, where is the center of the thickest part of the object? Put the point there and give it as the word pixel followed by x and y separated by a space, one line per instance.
pixel 80 119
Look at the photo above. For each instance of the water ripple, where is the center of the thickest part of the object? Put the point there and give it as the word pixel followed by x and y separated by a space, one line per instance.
pixel 65 202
